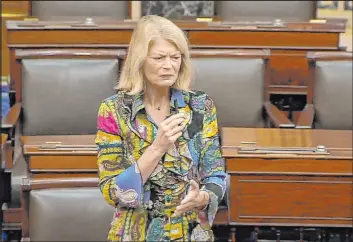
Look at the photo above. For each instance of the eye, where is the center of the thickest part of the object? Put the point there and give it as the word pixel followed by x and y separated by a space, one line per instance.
pixel 158 58
pixel 176 57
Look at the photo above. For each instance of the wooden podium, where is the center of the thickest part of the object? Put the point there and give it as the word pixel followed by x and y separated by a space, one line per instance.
pixel 282 177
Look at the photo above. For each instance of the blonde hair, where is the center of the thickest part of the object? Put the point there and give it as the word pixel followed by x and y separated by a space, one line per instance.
pixel 149 28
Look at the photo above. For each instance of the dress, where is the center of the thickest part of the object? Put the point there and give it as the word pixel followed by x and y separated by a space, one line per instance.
pixel 143 212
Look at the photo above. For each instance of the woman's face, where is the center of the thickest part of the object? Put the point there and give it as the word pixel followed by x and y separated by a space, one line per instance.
pixel 162 65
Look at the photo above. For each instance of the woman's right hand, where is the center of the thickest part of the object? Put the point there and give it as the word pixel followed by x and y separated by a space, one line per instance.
pixel 168 132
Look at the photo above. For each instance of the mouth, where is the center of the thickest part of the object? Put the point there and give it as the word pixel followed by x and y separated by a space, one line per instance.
pixel 166 76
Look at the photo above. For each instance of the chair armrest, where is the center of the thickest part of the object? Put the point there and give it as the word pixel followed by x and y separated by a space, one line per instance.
pixel 11 118
pixel 277 117
pixel 306 117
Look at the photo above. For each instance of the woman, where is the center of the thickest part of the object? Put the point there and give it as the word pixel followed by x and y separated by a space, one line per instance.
pixel 159 157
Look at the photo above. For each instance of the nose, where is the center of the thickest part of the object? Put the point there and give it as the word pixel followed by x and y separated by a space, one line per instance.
pixel 167 63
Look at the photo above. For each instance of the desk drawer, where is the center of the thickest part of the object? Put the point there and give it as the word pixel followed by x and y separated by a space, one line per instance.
pixel 291 200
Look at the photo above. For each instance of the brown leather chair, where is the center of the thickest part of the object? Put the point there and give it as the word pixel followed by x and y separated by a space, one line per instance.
pixel 332 97
pixel 65 210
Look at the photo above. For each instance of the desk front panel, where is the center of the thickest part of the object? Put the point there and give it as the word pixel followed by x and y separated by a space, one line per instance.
pixel 296 200
pixel 206 38
pixel 308 166
pixel 265 39
pixel 68 37
pixel 46 163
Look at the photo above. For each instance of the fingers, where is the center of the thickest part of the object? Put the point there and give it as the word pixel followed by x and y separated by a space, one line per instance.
pixel 173 138
pixel 174 130
pixel 193 185
pixel 169 131
pixel 193 192
pixel 190 201
pixel 188 198
pixel 172 127
pixel 172 118
pixel 175 122
pixel 183 208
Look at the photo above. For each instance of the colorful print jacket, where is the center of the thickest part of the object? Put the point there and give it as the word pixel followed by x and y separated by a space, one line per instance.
pixel 144 211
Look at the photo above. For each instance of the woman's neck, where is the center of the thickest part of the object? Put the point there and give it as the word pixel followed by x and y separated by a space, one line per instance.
pixel 156 97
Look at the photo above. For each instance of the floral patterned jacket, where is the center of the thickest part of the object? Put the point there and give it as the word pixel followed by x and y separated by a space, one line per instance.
pixel 144 211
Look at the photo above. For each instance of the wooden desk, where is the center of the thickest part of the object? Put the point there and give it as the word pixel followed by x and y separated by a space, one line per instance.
pixel 288 43
pixel 52 163
pixel 295 36
pixel 273 189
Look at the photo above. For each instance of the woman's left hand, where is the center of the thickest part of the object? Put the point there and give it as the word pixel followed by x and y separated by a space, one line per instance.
pixel 194 199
